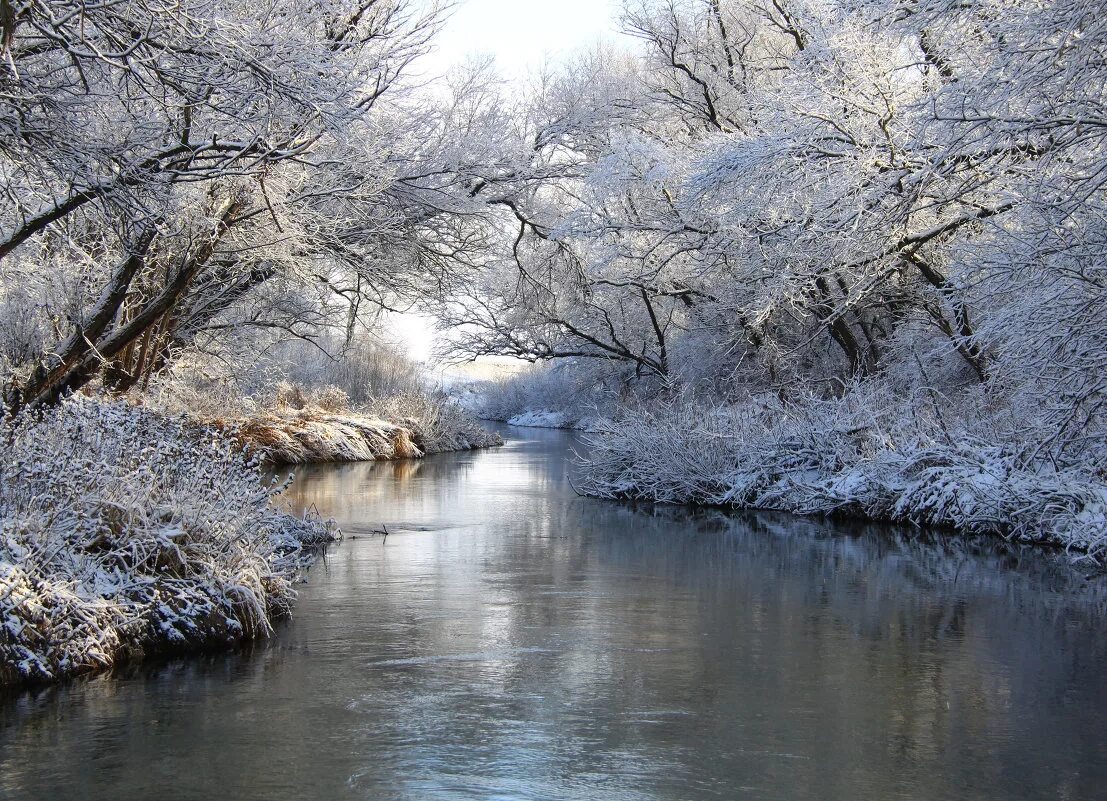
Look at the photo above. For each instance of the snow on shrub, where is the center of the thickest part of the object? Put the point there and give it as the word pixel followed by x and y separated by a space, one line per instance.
pixel 543 418
pixel 855 456
pixel 126 533
pixel 330 398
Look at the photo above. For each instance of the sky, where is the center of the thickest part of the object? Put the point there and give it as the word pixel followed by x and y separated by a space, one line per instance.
pixel 522 35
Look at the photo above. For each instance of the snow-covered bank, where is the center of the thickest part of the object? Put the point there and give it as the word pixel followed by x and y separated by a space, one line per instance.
pixel 541 419
pixel 401 429
pixel 545 418
pixel 126 533
pixel 846 459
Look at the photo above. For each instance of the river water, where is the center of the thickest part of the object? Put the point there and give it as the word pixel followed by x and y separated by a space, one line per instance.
pixel 510 640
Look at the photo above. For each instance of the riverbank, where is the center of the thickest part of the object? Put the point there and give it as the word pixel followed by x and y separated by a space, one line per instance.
pixel 545 418
pixel 845 463
pixel 311 435
pixel 129 531
pixel 295 424
pixel 127 534
pixel 843 460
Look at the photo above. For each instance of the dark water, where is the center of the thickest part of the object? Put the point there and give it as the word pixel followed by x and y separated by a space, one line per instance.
pixel 512 641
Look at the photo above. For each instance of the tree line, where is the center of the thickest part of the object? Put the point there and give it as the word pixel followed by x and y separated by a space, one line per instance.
pixel 754 197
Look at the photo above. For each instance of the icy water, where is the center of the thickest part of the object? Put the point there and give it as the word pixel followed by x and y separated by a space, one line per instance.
pixel 512 641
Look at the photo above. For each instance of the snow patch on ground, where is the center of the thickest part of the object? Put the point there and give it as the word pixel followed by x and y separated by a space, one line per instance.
pixel 546 418
pixel 540 419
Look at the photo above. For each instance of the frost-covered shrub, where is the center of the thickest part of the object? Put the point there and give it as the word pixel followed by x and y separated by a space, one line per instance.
pixel 362 369
pixel 204 387
pixel 860 455
pixel 125 532
pixel 438 422
pixel 327 398
pixel 330 398
pixel 288 395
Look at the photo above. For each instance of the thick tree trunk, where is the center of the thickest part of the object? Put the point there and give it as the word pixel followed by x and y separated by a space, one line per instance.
pixel 98 344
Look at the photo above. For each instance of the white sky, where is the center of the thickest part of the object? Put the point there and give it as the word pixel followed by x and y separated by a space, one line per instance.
pixel 522 35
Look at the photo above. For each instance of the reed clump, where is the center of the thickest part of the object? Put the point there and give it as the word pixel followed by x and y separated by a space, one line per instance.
pixel 304 426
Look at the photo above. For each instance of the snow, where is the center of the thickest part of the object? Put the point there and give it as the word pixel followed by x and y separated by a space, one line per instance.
pixel 125 532
pixel 540 419
pixel 841 458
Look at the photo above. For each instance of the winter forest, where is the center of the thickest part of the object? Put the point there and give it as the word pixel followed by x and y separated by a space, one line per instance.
pixel 826 257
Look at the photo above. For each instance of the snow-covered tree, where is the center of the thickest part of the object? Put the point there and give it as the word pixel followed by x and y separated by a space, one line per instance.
pixel 791 196
pixel 174 172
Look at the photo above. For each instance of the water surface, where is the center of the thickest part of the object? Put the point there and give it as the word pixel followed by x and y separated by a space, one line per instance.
pixel 510 640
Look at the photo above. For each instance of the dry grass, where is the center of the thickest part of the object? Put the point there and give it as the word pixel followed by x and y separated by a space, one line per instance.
pixel 307 427
pixel 312 435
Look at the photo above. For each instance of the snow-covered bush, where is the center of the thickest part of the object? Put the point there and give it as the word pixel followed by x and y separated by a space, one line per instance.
pixel 126 533
pixel 860 455
pixel 290 396
pixel 206 388
pixel 330 398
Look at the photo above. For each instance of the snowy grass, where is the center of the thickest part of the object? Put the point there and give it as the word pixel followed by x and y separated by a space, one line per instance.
pixel 543 418
pixel 313 435
pixel 126 533
pixel 848 458
pixel 438 423
pixel 320 426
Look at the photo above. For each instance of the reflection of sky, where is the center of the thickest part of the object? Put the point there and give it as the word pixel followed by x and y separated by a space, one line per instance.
pixel 436 491
pixel 513 641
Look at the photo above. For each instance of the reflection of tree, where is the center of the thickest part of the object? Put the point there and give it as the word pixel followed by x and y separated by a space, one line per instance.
pixel 912 646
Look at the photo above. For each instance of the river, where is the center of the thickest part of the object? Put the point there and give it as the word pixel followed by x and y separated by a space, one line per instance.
pixel 509 640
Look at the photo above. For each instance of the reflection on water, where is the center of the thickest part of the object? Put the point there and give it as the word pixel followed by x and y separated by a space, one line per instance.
pixel 510 640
